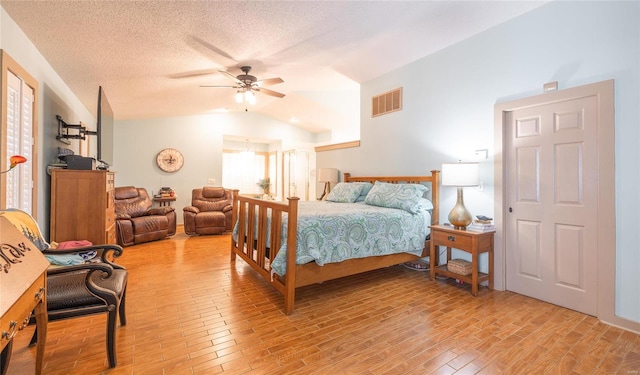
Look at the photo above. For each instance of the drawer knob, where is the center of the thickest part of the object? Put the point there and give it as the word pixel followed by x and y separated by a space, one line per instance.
pixel 8 335
pixel 39 294
pixel 451 238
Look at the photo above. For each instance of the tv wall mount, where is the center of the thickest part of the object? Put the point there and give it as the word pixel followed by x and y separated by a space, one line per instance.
pixel 72 131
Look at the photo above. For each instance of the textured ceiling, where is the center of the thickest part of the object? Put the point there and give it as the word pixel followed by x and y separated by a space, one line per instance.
pixel 151 57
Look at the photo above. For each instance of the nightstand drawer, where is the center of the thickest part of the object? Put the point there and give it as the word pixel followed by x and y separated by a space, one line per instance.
pixel 458 241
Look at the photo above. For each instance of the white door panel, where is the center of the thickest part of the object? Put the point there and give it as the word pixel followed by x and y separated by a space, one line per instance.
pixel 551 226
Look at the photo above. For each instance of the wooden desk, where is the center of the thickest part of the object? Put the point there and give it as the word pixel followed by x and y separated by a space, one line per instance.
pixel 164 201
pixel 23 283
pixel 471 242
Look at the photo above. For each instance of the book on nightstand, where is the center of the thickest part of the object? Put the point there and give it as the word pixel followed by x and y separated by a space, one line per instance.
pixel 481 228
pixel 482 224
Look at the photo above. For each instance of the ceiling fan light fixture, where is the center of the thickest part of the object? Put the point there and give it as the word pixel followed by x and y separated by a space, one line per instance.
pixel 247 85
pixel 250 97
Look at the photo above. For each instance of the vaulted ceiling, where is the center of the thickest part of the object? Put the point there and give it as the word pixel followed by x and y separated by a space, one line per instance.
pixel 152 57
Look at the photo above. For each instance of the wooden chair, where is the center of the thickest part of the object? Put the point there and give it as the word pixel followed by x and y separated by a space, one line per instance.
pixel 78 287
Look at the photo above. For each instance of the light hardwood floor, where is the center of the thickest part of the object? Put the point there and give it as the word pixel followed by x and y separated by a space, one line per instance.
pixel 191 312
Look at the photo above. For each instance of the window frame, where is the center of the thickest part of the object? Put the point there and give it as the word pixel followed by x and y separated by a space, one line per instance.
pixel 266 168
pixel 8 64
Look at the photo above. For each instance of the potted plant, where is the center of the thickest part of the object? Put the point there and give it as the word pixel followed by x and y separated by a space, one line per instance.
pixel 264 184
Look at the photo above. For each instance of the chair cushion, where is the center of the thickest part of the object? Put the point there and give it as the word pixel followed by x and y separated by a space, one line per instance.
pixel 131 201
pixel 126 192
pixel 213 192
pixel 153 223
pixel 68 291
pixel 205 206
pixel 68 296
pixel 210 219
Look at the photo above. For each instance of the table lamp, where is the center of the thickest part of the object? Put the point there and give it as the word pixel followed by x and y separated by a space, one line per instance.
pixel 460 175
pixel 327 175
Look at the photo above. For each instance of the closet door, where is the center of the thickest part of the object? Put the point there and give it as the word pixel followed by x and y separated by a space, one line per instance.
pixel 288 174
pixel 295 174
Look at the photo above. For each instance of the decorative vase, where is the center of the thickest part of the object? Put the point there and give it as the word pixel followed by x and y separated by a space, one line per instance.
pixel 459 216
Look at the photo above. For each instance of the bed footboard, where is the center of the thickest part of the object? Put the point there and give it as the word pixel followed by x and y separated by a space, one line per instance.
pixel 258 244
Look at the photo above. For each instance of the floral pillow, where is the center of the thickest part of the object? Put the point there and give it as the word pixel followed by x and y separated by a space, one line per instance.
pixel 345 193
pixel 402 196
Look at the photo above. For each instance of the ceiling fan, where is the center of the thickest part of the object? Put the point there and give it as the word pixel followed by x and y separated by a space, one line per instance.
pixel 247 84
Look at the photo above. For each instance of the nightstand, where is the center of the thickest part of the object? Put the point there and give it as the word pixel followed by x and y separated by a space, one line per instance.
pixel 474 243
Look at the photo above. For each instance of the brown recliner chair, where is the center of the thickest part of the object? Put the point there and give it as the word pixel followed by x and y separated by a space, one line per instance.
pixel 210 211
pixel 137 221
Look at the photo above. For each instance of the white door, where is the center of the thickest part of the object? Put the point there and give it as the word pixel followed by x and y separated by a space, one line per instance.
pixel 295 174
pixel 552 202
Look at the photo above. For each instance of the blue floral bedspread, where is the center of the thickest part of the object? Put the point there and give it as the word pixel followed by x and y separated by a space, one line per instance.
pixel 332 232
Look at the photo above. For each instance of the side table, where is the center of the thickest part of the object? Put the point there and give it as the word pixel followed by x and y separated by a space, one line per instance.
pixel 474 243
pixel 164 201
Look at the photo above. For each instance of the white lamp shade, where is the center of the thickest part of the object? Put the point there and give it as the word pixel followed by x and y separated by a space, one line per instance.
pixel 327 175
pixel 460 174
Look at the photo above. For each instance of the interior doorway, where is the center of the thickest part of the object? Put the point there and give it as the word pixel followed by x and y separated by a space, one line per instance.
pixel 550 226
pixel 524 244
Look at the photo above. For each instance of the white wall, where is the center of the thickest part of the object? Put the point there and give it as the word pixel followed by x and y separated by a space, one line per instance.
pixel 199 139
pixel 55 99
pixel 449 99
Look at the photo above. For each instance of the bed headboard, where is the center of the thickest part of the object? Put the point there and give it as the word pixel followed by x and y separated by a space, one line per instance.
pixel 434 189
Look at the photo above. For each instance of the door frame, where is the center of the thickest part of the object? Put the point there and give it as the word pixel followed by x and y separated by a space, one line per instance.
pixel 606 249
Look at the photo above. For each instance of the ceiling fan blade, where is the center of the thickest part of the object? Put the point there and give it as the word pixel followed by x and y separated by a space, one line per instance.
pixel 270 92
pixel 211 47
pixel 239 82
pixel 269 81
pixel 195 73
pixel 228 87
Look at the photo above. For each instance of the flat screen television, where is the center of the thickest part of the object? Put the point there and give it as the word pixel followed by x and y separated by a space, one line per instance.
pixel 104 129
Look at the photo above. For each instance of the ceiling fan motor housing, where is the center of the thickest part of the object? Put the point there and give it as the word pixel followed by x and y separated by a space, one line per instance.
pixel 246 77
pixel 248 83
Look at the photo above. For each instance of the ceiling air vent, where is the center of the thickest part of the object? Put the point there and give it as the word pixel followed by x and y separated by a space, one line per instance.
pixel 389 101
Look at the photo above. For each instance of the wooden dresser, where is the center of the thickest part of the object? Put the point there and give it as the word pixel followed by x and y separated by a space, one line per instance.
pixel 82 206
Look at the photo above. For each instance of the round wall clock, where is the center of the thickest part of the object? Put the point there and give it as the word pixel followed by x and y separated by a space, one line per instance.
pixel 170 160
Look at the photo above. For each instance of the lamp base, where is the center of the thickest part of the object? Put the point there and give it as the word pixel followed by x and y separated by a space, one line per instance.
pixel 459 216
pixel 327 189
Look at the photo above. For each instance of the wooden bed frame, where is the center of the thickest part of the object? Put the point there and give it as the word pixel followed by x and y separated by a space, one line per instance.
pixel 259 254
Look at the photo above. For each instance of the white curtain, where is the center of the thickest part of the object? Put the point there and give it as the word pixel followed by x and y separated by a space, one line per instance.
pixel 243 170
